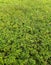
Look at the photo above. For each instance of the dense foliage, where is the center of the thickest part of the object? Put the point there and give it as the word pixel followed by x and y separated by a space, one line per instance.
pixel 25 32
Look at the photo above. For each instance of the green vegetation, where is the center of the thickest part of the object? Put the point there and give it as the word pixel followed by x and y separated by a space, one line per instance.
pixel 25 32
